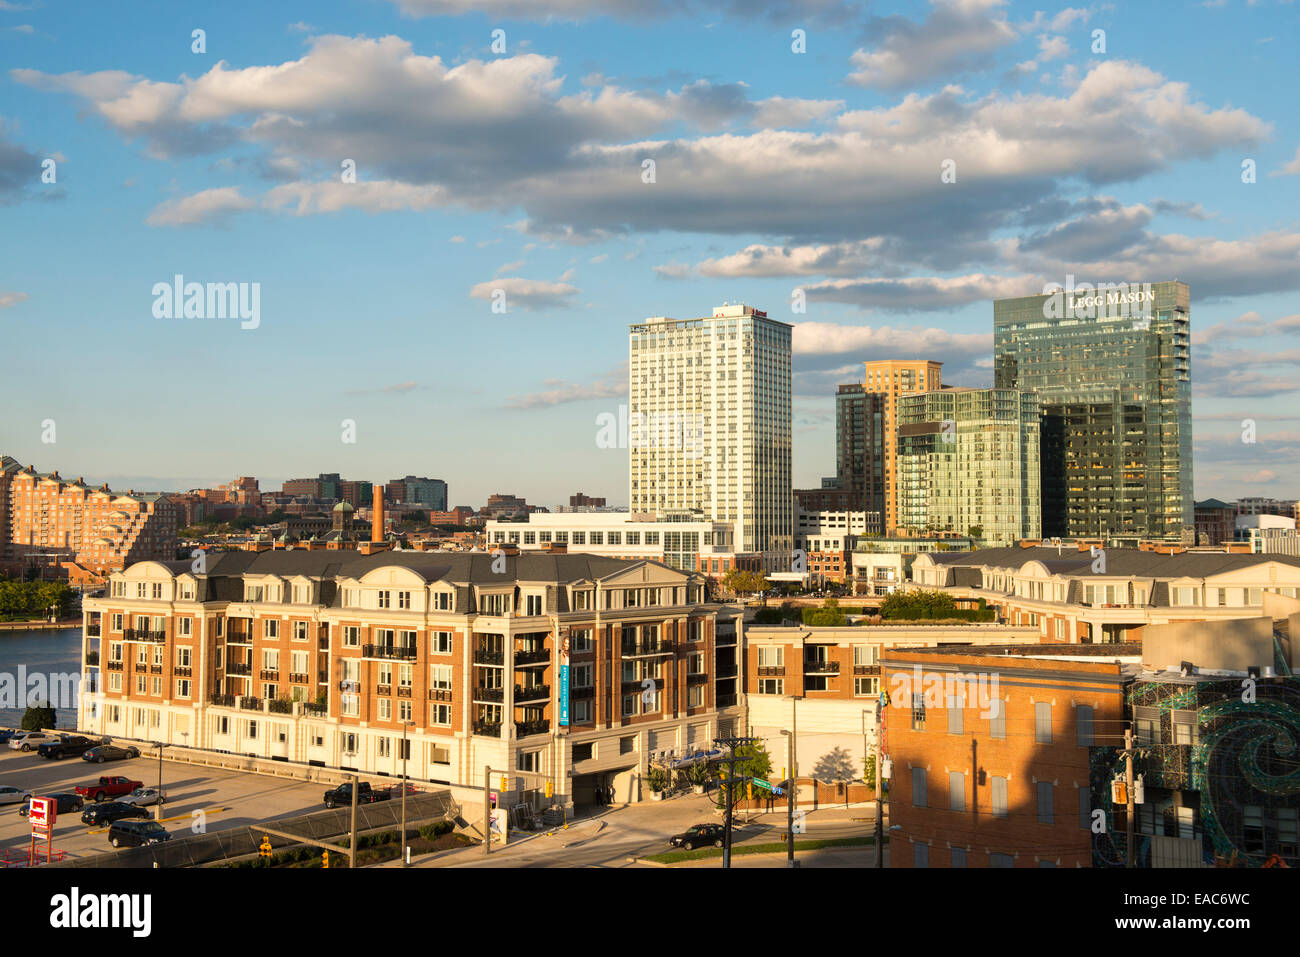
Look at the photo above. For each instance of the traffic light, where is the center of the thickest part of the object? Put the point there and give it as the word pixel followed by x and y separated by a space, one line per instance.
pixel 325 859
pixel 505 783
pixel 549 787
pixel 749 787
pixel 264 849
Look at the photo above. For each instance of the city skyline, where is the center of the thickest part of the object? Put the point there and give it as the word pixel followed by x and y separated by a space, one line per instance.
pixel 375 297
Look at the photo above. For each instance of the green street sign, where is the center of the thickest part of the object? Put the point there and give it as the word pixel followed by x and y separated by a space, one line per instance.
pixel 760 783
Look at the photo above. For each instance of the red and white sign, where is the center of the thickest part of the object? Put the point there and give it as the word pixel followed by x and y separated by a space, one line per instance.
pixel 42 815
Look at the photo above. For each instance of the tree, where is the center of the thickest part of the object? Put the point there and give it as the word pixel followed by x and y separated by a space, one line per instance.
pixel 752 761
pixel 38 716
pixel 828 615
pixel 743 582
pixel 975 531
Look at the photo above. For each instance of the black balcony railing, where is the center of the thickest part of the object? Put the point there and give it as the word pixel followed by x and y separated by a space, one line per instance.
pixel 279 706
pixel 525 728
pixel 391 652
pixel 491 729
pixel 531 693
pixel 350 687
pixel 726 700
pixel 866 669
pixel 269 674
pixel 155 669
pixel 532 657
pixel 322 677
pixel 92 631
pixel 403 691
pixel 317 710
pixel 238 638
pixel 640 649
pixel 768 670
pixel 384 689
pixel 586 692
pixel 181 671
pixel 222 700
pixel 489 694
pixel 816 666
pixel 92 657
pixel 697 678
pixel 249 703
pixel 730 672
pixel 135 634
pixel 237 668
pixel 440 694
pixel 113 665
pixel 489 657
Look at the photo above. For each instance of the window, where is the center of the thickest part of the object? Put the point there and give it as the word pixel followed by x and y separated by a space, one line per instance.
pixel 404 600
pixel 141 682
pixel 351 636
pixel 1085 808
pixel 1146 725
pixel 440 714
pixel 300 631
pixel 440 677
pixel 771 686
pixel 349 740
pixel 580 676
pixel 920 855
pixel 866 655
pixel 1043 722
pixel 627 745
pixel 271 628
pixel 533 605
pixel 918 787
pixel 442 601
pixel 440 643
pixel 1001 860
pixel 350 705
pixel 184 627
pixel 958 857
pixel 183 654
pixel 956 791
pixel 866 687
pixel 115 623
pixel 115 681
pixel 182 687
pixel 695 696
pixel 955 705
pixel 581 640
pixel 439 754
pixel 918 711
pixel 999 788
pixel 493 604
pixel 1046 810
pixel 1185 727
pixel 1083 725
pixel 385 599
pixel 584 752
pixel 998 719
pixel 252 729
pixel 384 747
pixel 581 712
pixel 771 656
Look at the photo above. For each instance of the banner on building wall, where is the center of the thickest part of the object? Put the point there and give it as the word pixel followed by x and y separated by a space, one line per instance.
pixel 564 682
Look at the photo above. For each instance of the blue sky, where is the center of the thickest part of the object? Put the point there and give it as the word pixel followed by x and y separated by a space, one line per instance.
pixel 521 170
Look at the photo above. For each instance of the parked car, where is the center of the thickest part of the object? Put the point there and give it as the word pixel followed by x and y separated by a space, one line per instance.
pixel 8 734
pixel 30 740
pixel 65 747
pixel 64 802
pixel 142 797
pixel 137 833
pixel 342 795
pixel 111 811
pixel 12 795
pixel 698 836
pixel 109 787
pixel 110 752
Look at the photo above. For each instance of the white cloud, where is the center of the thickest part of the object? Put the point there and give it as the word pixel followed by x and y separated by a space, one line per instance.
pixel 531 294
pixel 8 299
pixel 957 36
pixel 209 205
pixel 1291 168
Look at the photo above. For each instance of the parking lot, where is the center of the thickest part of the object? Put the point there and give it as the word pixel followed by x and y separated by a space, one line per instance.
pixel 227 799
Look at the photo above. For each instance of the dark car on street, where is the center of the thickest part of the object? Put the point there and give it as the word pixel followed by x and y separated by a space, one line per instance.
pixel 109 752
pixel 111 811
pixel 64 803
pixel 701 835
pixel 137 833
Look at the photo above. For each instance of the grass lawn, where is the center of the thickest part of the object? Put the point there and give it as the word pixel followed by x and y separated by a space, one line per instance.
pixel 703 853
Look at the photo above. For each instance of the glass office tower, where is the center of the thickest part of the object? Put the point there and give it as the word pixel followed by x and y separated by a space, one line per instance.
pixel 860 447
pixel 1112 367
pixel 968 460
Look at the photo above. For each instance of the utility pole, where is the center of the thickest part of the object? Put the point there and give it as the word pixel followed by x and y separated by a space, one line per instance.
pixel 158 806
pixel 789 801
pixel 406 852
pixel 487 810
pixel 880 787
pixel 352 837
pixel 732 781
pixel 1129 855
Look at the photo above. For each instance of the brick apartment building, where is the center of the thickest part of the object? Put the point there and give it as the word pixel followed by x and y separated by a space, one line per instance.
pixel 835 675
pixel 48 520
pixel 1073 598
pixel 320 656
pixel 991 749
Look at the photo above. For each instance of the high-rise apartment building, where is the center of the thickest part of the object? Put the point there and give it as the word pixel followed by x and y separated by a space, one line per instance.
pixel 860 447
pixel 709 407
pixel 891 378
pixel 1112 367
pixel 417 490
pixel 968 463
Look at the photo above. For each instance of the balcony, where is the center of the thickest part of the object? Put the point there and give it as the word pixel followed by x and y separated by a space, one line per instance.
pixel 389 652
pixel 630 684
pixel 222 700
pixel 134 634
pixel 526 728
pixel 181 671
pixel 723 673
pixel 723 638
pixel 577 693
pixel 277 706
pixel 155 669
pixel 646 649
pixel 726 700
pixel 250 704
pixel 489 657
pixel 92 631
pixel 530 657
pixel 113 665
pixel 323 643
pixel 235 668
pixel 315 710
pixel 765 671
pixel 403 691
pixel 92 657
pixel 866 669
pixel 383 689
pixel 322 677
pixel 532 693
pixel 491 729
pixel 815 666
pixel 350 687
pixel 269 674
pixel 697 678
pixel 296 678
pixel 440 694
pixel 239 638
pixel 491 695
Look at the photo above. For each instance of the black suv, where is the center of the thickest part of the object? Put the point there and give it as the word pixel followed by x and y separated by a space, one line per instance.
pixel 698 836
pixel 70 746
pixel 137 833
pixel 111 811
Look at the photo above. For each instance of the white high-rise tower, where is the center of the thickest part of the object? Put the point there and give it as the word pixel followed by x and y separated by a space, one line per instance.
pixel 709 407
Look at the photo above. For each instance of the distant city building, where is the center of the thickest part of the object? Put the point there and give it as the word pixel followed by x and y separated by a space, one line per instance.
pixel 967 464
pixel 823 499
pixel 1112 369
pixel 860 447
pixel 417 490
pixel 1215 522
pixel 890 379
pixel 586 500
pixel 460 515
pixel 709 425
pixel 49 520
pixel 357 494
pixel 1268 534
pixel 1288 508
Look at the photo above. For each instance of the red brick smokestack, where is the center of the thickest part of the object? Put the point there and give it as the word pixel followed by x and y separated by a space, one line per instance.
pixel 377 522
